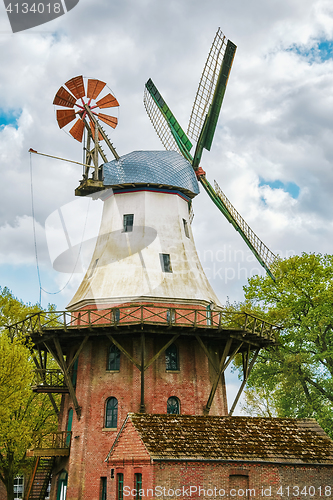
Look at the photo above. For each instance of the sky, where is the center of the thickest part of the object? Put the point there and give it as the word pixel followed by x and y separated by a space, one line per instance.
pixel 273 148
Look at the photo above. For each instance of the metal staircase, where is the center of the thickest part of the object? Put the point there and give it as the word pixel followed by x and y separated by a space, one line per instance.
pixel 40 478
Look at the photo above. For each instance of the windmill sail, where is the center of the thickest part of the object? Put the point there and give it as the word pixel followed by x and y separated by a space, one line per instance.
pixel 164 122
pixel 210 94
pixel 264 255
pixel 207 84
pixel 201 128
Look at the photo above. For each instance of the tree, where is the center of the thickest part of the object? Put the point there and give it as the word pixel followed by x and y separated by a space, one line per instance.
pixel 22 412
pixel 295 378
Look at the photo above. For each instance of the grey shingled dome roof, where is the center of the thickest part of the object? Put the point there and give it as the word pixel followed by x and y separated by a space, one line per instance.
pixel 156 168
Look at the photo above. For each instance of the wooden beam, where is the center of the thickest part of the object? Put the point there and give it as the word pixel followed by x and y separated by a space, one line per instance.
pixel 53 353
pixel 204 348
pixel 85 340
pixel 68 380
pixel 120 347
pixel 142 399
pixel 217 378
pixel 246 374
pixel 51 398
pixel 161 351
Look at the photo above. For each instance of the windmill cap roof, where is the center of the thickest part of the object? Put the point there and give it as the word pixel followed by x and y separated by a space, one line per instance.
pixel 156 168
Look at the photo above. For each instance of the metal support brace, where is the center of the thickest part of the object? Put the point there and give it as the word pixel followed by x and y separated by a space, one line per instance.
pixel 96 152
pixel 101 131
pixel 246 372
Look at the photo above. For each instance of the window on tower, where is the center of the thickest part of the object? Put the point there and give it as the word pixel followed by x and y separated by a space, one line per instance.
pixel 171 358
pixel 173 406
pixel 166 262
pixel 114 358
pixel 187 234
pixel 128 223
pixel 111 413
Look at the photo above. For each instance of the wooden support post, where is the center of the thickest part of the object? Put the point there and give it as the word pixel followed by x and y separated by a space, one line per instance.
pixel 222 367
pixel 51 398
pixel 246 373
pixel 142 401
pixel 68 380
pixel 217 378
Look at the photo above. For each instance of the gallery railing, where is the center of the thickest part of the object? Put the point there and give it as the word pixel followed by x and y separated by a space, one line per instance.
pixel 145 315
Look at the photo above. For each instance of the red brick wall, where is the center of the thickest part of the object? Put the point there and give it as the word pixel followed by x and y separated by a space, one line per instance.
pixel 229 480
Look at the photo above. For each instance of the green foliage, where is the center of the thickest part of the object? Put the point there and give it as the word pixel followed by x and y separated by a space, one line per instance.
pixel 22 412
pixel 13 310
pixel 296 376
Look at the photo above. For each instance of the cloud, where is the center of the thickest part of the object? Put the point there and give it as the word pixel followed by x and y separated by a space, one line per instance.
pixel 275 124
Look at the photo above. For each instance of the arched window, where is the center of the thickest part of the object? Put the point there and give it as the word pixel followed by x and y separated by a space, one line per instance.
pixel 114 358
pixel 111 412
pixel 171 358
pixel 173 406
pixel 62 486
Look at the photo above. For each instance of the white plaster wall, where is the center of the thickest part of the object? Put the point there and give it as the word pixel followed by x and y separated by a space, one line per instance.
pixel 127 266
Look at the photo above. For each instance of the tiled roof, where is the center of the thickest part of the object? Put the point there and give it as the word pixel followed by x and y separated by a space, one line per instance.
pixel 158 168
pixel 233 438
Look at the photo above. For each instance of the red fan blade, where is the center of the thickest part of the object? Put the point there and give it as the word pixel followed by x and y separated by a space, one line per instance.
pixel 107 102
pixel 76 86
pixel 64 98
pixel 95 87
pixel 92 126
pixel 77 130
pixel 65 116
pixel 109 120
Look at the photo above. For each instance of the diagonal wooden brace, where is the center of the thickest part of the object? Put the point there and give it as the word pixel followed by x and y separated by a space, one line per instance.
pixel 204 348
pixel 161 351
pixel 217 378
pixel 223 366
pixel 128 356
pixel 63 367
pixel 76 355
pixel 246 372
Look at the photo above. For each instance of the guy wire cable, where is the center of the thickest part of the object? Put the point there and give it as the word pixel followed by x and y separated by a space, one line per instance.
pixel 35 242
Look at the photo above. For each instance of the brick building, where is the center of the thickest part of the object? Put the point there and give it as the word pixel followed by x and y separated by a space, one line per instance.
pixel 170 456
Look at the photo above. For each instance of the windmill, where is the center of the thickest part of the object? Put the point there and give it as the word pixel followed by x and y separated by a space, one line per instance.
pixel 81 101
pixel 201 129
